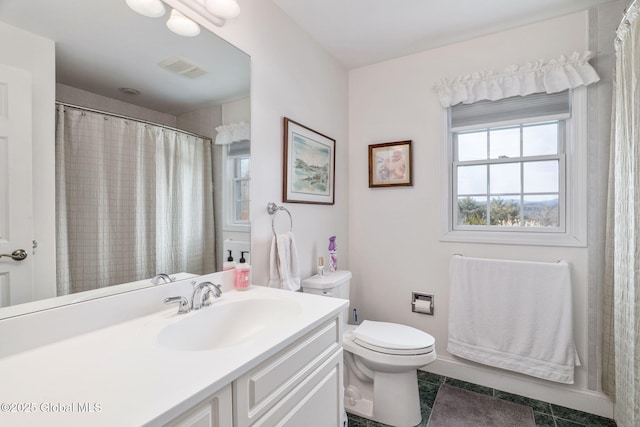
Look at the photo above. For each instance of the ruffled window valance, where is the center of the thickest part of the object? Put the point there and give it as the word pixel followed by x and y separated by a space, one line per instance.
pixel 234 132
pixel 556 75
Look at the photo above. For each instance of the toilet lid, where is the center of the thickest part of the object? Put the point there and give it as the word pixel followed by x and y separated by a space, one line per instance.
pixel 392 338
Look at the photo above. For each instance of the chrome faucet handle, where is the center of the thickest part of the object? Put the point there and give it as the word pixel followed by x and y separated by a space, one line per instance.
pixel 162 278
pixel 211 289
pixel 216 289
pixel 183 304
pixel 200 293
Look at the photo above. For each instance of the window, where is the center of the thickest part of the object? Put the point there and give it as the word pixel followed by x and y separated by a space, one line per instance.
pixel 240 166
pixel 515 171
pixel 237 165
pixel 509 177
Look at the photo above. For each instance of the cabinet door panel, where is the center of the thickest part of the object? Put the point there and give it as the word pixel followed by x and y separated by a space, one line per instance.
pixel 316 402
pixel 216 411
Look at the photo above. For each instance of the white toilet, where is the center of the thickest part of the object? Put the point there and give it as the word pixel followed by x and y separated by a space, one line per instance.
pixel 381 361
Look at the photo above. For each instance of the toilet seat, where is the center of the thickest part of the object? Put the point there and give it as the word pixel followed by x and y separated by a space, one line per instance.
pixel 392 338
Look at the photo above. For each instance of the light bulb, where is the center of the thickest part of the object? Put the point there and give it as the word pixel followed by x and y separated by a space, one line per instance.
pixel 150 8
pixel 225 9
pixel 181 25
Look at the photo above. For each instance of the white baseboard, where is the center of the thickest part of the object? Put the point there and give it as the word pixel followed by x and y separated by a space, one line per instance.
pixel 546 391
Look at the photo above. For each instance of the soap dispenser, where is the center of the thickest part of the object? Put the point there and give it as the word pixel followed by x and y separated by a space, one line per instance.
pixel 242 274
pixel 229 264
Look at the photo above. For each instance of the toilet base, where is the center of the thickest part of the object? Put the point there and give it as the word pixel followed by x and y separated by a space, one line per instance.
pixel 360 407
pixel 396 400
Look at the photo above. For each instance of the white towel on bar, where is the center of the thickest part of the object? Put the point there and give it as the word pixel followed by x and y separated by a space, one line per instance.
pixel 514 315
pixel 283 263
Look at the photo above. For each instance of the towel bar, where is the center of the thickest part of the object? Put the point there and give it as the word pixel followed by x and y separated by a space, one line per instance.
pixel 560 260
pixel 273 209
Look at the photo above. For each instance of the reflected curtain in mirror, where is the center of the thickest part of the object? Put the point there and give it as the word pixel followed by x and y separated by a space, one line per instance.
pixel 134 200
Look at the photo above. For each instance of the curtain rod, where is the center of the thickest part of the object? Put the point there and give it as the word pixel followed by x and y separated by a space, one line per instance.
pixel 624 14
pixel 120 116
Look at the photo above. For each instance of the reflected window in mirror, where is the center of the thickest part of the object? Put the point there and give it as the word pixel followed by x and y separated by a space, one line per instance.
pixel 237 179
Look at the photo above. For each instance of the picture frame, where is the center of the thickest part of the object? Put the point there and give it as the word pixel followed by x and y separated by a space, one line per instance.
pixel 308 165
pixel 390 164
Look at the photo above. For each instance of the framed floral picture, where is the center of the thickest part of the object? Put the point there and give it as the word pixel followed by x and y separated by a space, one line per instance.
pixel 309 165
pixel 390 164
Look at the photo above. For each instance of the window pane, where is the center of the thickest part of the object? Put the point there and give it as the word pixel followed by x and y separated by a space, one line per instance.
pixel 541 177
pixel 472 146
pixel 472 179
pixel 540 140
pixel 504 143
pixel 244 167
pixel 472 211
pixel 241 191
pixel 244 190
pixel 242 211
pixel 505 211
pixel 541 211
pixel 505 178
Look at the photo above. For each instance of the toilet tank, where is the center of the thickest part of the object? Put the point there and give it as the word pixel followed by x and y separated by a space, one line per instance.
pixel 335 284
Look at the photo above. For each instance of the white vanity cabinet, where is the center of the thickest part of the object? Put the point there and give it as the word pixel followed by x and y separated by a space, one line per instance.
pixel 217 411
pixel 300 385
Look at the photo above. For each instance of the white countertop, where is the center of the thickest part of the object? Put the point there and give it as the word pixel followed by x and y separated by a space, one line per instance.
pixel 127 378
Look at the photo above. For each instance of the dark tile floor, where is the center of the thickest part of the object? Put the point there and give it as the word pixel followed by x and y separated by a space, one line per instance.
pixel 546 414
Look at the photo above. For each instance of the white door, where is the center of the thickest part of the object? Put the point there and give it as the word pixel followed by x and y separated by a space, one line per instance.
pixel 16 204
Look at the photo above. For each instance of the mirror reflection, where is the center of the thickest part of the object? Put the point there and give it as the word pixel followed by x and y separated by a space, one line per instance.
pixel 144 138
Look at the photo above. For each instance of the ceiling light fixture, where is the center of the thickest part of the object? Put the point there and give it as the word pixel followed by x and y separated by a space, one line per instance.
pixel 225 9
pixel 129 91
pixel 215 11
pixel 181 25
pixel 150 8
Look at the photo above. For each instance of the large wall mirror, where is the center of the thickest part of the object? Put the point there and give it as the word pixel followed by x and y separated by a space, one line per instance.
pixel 124 122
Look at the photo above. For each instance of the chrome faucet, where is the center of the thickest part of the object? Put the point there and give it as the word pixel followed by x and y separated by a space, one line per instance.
pixel 201 294
pixel 162 278
pixel 183 304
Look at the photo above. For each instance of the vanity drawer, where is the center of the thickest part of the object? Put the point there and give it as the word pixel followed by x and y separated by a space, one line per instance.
pixel 262 387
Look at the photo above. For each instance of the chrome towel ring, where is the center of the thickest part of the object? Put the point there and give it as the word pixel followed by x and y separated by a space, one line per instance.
pixel 273 209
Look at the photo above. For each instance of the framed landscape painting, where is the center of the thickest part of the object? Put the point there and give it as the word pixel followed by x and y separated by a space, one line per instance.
pixel 309 165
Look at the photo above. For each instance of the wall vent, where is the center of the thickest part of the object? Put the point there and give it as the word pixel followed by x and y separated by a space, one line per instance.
pixel 181 66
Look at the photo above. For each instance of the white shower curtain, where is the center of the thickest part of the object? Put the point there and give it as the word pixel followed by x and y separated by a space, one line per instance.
pixel 133 200
pixel 621 355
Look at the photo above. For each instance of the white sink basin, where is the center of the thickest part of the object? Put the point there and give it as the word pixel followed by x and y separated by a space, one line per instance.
pixel 228 324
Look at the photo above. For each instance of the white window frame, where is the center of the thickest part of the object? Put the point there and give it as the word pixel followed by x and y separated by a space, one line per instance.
pixel 230 223
pixel 574 221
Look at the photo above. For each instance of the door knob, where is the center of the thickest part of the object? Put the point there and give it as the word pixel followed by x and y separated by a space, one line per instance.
pixel 17 255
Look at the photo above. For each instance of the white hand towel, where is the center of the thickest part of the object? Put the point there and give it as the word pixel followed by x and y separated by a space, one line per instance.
pixel 283 263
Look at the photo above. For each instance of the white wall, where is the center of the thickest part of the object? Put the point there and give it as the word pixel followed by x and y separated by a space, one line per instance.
pixel 236 111
pixel 201 122
pixel 394 247
pixel 290 76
